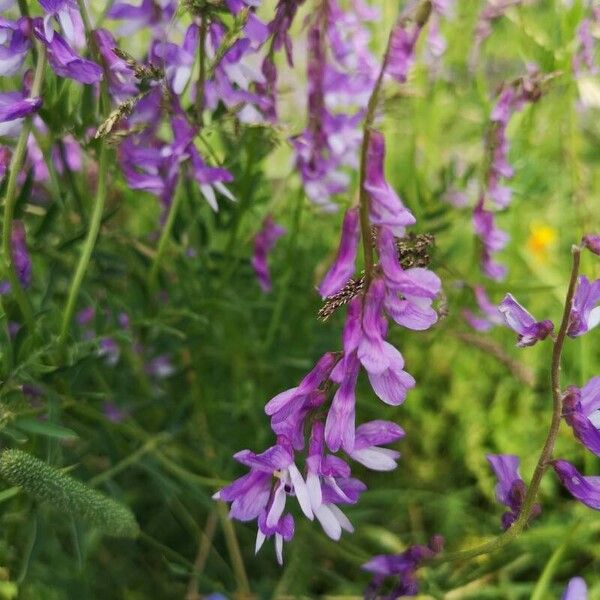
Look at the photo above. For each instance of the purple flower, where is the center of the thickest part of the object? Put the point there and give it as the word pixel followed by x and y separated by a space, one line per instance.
pixel 328 482
pixel 67 14
pixel 582 488
pixel 264 241
pixel 369 436
pixel 576 590
pixel 288 406
pixel 109 349
pixel 64 62
pixel 385 207
pixel 85 316
pixel 492 239
pixel 523 323
pixel 254 496
pixel 283 530
pixel 14 45
pixel 5 156
pixel 582 413
pixel 20 254
pixel 510 489
pixel 13 106
pixel 343 267
pixel 410 293
pixel 584 56
pixel 178 60
pixel 160 367
pixel 155 14
pixel 490 315
pixel 340 423
pixel 113 413
pixel 585 315
pixel 402 567
pixel 402 49
pixel 592 243
pixel 121 81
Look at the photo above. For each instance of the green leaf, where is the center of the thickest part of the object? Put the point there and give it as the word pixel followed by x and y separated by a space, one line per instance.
pixel 31 425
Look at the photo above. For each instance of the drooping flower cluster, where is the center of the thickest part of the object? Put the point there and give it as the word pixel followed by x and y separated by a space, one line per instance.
pixel 324 402
pixel 341 74
pixel 581 406
pixel 511 99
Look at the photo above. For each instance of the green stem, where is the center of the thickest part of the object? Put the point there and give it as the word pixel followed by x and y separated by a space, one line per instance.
pixel 89 244
pixel 166 232
pixel 285 284
pixel 16 164
pixel 546 454
pixel 202 74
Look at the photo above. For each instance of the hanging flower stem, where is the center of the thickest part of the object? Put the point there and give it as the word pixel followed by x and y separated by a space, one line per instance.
pixel 16 164
pixel 546 454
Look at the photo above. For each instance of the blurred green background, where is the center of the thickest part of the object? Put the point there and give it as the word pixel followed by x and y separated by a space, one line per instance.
pixel 232 348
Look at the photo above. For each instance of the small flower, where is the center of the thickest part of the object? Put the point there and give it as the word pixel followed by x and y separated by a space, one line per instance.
pixel 385 206
pixel 582 413
pixel 20 254
pixel 576 590
pixel 584 489
pixel 592 243
pixel 369 436
pixel 585 315
pixel 160 367
pixel 523 323
pixel 401 567
pixel 493 240
pixel 113 413
pixel 13 106
pixel 85 316
pixel 344 265
pixel 510 489
pixel 490 315
pixel 264 241
pixel 14 45
pixel 64 61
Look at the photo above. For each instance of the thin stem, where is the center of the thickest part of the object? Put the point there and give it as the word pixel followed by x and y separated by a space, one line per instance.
pixel 99 202
pixel 16 164
pixel 89 244
pixel 166 232
pixel 202 75
pixel 546 453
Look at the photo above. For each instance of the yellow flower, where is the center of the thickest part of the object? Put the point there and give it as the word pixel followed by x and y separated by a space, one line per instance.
pixel 540 241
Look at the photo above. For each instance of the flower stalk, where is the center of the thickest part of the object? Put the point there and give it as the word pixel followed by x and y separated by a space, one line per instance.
pixel 546 453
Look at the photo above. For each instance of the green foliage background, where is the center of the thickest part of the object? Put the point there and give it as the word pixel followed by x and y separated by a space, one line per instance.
pixel 233 348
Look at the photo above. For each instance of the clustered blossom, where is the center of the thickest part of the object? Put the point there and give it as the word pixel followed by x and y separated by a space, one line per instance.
pixel 510 489
pixel 324 401
pixel 511 99
pixel 264 241
pixel 341 74
pixel 581 406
